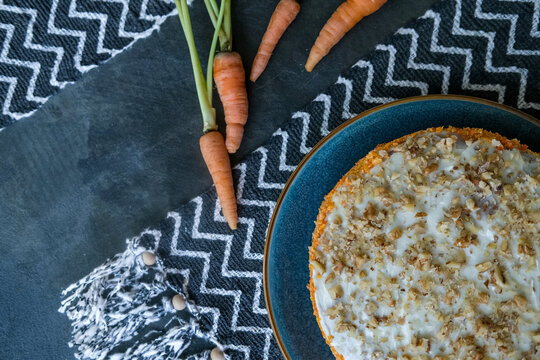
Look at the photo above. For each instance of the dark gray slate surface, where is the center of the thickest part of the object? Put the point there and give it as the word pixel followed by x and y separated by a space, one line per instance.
pixel 111 154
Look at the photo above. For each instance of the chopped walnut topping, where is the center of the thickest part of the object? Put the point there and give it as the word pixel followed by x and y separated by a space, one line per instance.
pixel 364 284
pixel 330 277
pixel 439 238
pixel 520 301
pixel 359 261
pixel 370 308
pixel 338 267
pixel 370 212
pixel 318 266
pixel 498 277
pixel 483 297
pixel 346 327
pixel 431 168
pixel 504 245
pixel 463 242
pixel 395 233
pixel 485 266
pixel 335 292
pixel 525 249
pixel 334 311
pixel 451 294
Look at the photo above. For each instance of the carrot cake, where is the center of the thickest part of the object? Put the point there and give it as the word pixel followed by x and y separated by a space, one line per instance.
pixel 428 248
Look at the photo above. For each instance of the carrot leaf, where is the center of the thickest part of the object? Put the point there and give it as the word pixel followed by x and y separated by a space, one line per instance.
pixel 227 23
pixel 207 111
pixel 210 67
pixel 223 39
pixel 225 35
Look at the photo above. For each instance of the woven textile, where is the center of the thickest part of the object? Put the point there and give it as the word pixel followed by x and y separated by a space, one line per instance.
pixel 46 44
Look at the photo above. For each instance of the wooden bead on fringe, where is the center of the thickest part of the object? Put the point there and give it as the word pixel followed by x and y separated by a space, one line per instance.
pixel 148 258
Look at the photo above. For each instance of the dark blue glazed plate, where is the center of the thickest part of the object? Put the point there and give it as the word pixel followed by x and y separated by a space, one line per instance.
pixel 286 272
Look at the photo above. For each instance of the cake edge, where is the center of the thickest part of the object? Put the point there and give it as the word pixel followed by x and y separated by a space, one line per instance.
pixel 363 166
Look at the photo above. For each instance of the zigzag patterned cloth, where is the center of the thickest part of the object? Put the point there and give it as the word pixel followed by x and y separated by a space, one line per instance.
pixel 46 44
pixel 484 48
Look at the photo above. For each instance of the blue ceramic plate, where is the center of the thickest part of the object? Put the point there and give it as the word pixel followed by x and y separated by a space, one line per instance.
pixel 286 273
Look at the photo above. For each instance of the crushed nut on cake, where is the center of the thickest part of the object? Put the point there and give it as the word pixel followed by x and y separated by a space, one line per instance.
pixel 429 249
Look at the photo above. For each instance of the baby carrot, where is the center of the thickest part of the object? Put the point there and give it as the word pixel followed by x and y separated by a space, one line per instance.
pixel 217 160
pixel 342 20
pixel 283 16
pixel 211 142
pixel 230 81
pixel 229 76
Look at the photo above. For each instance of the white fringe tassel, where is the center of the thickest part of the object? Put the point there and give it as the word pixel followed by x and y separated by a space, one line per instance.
pixel 115 302
pixel 166 346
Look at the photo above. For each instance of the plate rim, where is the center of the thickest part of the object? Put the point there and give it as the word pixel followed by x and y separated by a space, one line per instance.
pixel 323 141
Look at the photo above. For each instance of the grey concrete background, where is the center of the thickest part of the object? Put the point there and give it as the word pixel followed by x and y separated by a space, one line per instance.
pixel 109 155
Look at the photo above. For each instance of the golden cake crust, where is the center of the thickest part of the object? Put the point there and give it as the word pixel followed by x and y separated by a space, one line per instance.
pixel 363 166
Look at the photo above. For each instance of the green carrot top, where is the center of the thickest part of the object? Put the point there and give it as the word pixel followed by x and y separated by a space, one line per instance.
pixel 204 86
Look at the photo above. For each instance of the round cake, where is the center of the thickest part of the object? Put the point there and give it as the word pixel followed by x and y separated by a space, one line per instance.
pixel 428 248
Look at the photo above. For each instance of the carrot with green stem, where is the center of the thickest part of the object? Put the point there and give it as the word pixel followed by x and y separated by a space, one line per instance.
pixel 211 142
pixel 283 16
pixel 230 77
pixel 346 16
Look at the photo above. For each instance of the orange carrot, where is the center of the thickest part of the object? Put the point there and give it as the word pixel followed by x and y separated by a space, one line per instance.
pixel 342 20
pixel 217 160
pixel 283 16
pixel 211 143
pixel 230 81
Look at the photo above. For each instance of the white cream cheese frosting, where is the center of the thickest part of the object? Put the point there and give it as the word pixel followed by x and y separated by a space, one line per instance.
pixel 433 253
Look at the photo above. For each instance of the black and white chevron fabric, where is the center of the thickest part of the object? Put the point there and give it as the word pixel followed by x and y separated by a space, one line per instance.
pixel 484 48
pixel 46 44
